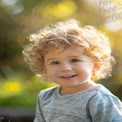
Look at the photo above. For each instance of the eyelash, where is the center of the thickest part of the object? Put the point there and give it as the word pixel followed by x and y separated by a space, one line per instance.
pixel 54 62
pixel 72 61
pixel 75 60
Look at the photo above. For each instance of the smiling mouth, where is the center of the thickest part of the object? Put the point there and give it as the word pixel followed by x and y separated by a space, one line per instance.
pixel 67 76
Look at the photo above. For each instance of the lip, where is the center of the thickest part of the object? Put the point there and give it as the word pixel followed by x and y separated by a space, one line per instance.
pixel 67 76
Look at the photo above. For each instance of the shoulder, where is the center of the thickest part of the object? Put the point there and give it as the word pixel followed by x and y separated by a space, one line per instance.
pixel 104 96
pixel 105 106
pixel 104 92
pixel 46 93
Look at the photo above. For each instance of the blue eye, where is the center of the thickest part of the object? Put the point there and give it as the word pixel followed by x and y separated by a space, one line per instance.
pixel 54 62
pixel 74 60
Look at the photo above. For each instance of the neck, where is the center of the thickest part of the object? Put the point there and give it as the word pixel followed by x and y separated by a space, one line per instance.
pixel 83 86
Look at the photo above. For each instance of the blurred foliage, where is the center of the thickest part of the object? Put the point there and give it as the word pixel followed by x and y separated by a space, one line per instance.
pixel 19 18
pixel 21 92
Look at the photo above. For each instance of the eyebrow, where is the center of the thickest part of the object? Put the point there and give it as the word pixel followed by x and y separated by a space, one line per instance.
pixel 50 59
pixel 68 57
pixel 74 56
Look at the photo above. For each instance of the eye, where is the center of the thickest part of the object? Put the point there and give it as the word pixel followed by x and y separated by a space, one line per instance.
pixel 54 62
pixel 75 60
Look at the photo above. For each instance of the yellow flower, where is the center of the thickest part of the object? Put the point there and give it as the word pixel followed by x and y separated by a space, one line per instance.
pixel 12 86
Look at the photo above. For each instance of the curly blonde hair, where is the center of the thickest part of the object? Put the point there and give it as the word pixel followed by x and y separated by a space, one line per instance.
pixel 65 34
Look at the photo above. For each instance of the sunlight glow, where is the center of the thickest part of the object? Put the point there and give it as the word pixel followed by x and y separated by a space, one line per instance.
pixel 114 26
pixel 12 86
pixel 9 2
pixel 63 9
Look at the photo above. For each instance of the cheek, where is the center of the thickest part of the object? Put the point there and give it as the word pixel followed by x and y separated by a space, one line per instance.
pixel 85 69
pixel 85 73
pixel 51 73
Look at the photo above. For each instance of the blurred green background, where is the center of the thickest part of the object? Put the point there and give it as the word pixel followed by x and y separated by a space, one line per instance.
pixel 19 18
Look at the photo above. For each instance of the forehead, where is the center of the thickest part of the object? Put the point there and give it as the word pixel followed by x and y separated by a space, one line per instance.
pixel 69 51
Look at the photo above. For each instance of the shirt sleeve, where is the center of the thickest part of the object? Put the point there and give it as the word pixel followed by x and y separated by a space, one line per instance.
pixel 105 108
pixel 38 115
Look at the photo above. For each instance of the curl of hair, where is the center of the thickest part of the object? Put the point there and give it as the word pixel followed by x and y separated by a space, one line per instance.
pixel 65 34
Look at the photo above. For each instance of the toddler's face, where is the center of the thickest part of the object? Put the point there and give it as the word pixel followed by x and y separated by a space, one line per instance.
pixel 69 67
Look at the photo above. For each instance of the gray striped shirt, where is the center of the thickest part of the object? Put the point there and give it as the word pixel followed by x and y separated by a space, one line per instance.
pixel 96 104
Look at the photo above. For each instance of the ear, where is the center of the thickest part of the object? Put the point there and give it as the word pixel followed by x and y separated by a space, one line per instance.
pixel 96 66
pixel 95 69
pixel 45 78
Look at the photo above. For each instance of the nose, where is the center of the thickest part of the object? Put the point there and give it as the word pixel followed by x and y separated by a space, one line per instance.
pixel 65 67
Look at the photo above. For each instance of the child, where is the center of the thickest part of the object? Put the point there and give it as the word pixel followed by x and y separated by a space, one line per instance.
pixel 73 57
